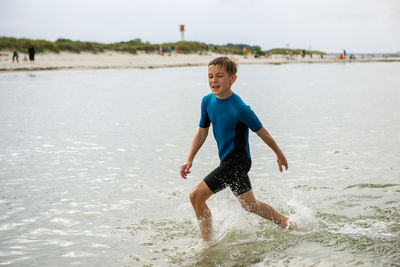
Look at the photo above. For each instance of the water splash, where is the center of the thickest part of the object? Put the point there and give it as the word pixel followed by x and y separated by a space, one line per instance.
pixel 301 213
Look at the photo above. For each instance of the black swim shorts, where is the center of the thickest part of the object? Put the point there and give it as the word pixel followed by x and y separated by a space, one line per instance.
pixel 231 173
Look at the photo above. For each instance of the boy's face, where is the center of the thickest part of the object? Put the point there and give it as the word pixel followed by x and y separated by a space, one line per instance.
pixel 220 81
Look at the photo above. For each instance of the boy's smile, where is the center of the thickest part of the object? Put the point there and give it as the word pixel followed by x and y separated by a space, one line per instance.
pixel 220 81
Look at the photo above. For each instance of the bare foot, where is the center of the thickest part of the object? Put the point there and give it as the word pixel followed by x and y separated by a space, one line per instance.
pixel 291 225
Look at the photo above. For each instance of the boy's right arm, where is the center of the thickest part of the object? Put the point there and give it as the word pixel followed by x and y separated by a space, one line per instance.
pixel 198 141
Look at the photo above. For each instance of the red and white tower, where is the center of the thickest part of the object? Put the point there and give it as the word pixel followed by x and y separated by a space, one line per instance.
pixel 182 30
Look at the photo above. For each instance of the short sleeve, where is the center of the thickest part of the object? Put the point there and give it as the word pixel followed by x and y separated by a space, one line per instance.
pixel 204 118
pixel 248 117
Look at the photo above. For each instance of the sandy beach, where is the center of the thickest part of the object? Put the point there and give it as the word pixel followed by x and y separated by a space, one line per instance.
pixel 119 60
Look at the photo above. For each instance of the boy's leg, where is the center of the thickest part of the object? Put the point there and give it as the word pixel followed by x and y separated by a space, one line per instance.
pixel 198 198
pixel 249 203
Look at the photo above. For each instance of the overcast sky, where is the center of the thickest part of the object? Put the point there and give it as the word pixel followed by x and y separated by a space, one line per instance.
pixel 326 25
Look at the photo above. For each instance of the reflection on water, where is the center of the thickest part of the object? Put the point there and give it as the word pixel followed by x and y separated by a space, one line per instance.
pixel 89 167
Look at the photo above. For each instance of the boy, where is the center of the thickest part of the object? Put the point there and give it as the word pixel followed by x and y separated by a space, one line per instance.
pixel 231 119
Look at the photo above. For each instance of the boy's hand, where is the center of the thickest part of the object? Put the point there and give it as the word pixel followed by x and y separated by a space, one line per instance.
pixel 282 162
pixel 185 169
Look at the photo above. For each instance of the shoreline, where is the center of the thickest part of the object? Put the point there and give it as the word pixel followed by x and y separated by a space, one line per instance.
pixel 120 60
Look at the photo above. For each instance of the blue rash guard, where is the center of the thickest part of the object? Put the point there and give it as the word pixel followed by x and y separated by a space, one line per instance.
pixel 231 119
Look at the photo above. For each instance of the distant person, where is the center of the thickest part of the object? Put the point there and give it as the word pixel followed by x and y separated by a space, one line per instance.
pixel 31 52
pixel 344 52
pixel 169 50
pixel 231 119
pixel 15 55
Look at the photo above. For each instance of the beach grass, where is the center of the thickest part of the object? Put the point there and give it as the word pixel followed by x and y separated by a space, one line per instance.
pixel 282 51
pixel 136 45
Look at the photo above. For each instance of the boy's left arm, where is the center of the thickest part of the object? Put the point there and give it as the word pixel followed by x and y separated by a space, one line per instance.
pixel 267 138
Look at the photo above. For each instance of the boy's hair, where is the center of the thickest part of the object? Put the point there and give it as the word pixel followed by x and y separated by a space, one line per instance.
pixel 224 62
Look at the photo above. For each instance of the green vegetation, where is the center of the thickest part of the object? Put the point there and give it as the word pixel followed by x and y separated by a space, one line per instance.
pixel 244 46
pixel 284 51
pixel 41 46
pixel 77 46
pixel 136 45
pixel 237 49
pixel 23 44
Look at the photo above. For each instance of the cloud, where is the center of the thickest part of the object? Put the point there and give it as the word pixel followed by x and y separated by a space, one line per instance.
pixel 359 25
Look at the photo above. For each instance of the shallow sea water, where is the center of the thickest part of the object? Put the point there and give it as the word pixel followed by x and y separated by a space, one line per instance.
pixel 89 168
